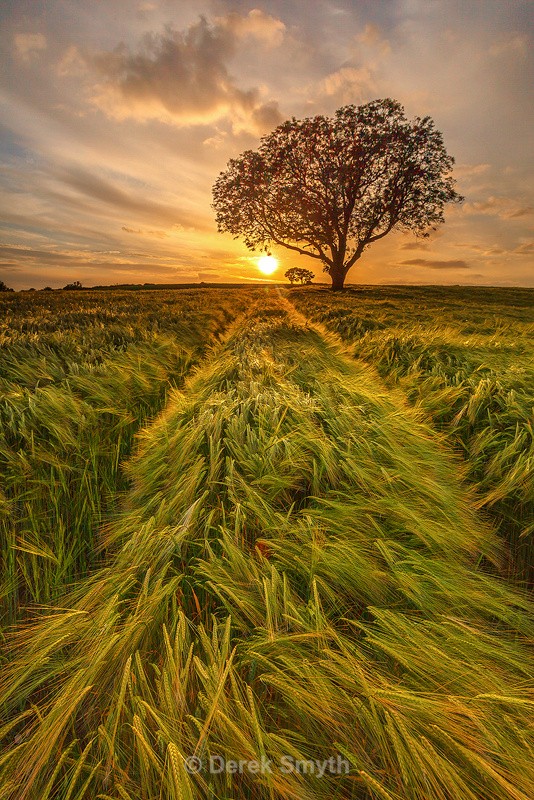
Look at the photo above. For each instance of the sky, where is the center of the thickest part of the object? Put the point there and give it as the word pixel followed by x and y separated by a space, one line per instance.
pixel 116 117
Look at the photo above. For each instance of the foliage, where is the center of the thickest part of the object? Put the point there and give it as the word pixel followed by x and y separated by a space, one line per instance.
pixel 73 286
pixel 365 624
pixel 329 187
pixel 4 288
pixel 299 275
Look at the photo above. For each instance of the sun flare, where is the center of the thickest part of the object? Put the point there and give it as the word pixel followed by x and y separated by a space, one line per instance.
pixel 267 264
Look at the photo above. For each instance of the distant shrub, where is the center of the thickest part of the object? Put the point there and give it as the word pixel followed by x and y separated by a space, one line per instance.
pixel 73 286
pixel 4 288
pixel 299 275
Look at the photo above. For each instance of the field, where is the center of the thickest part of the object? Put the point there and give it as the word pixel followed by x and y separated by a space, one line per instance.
pixel 465 358
pixel 282 531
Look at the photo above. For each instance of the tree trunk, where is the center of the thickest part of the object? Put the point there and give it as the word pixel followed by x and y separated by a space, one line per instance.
pixel 338 279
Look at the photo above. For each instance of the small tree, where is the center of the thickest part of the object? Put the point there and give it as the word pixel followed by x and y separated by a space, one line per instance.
pixel 299 275
pixel 73 286
pixel 4 288
pixel 327 187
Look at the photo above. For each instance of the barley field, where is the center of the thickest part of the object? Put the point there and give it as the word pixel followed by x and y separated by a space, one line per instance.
pixel 288 531
pixel 465 358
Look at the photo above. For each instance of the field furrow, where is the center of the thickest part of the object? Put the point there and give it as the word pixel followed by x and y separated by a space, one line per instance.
pixel 297 576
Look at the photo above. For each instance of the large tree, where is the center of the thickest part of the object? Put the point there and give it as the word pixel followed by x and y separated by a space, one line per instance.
pixel 329 187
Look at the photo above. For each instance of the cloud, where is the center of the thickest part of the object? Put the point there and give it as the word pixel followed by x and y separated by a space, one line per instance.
pixel 415 246
pixel 257 24
pixel 348 83
pixel 470 170
pixel 28 45
pixel 485 250
pixel 141 232
pixel 516 44
pixel 106 192
pixel 217 141
pixel 81 259
pixel 266 116
pixel 72 62
pixel 182 76
pixel 503 207
pixel 527 248
pixel 522 211
pixel 372 38
pixel 436 264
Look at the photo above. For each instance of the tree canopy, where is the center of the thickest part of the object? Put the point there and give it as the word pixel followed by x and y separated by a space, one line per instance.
pixel 328 187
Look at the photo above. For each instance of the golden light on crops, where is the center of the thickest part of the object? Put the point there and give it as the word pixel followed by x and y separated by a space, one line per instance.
pixel 267 264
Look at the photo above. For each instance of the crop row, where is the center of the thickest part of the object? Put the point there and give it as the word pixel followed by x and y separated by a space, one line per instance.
pixel 297 572
pixel 466 359
pixel 74 393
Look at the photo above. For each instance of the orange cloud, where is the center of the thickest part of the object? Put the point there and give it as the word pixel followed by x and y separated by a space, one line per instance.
pixel 28 45
pixel 182 76
pixel 256 24
pixel 470 170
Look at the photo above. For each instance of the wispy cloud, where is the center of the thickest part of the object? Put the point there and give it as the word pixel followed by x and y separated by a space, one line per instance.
pixel 503 207
pixel 104 191
pixel 430 263
pixel 416 245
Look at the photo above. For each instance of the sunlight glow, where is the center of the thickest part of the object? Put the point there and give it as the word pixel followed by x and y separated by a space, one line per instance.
pixel 267 264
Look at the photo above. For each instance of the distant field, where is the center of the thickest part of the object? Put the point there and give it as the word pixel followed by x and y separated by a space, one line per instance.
pixel 270 526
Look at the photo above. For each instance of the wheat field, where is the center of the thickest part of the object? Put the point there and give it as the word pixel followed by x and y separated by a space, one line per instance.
pixel 287 529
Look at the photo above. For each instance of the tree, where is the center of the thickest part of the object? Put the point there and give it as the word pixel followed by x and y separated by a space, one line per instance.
pixel 327 187
pixel 299 275
pixel 4 288
pixel 73 286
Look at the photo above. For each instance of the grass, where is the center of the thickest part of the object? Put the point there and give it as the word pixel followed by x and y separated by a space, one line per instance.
pixel 298 571
pixel 465 358
pixel 79 374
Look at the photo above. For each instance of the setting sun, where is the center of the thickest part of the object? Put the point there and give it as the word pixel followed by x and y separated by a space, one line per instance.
pixel 267 264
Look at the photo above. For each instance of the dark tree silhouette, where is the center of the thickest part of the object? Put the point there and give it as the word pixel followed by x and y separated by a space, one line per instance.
pixel 299 275
pixel 4 288
pixel 329 187
pixel 73 286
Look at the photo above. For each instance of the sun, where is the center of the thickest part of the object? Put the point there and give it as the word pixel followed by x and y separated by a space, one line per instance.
pixel 267 264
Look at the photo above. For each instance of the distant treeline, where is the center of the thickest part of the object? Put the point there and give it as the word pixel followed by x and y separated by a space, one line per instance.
pixel 76 286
